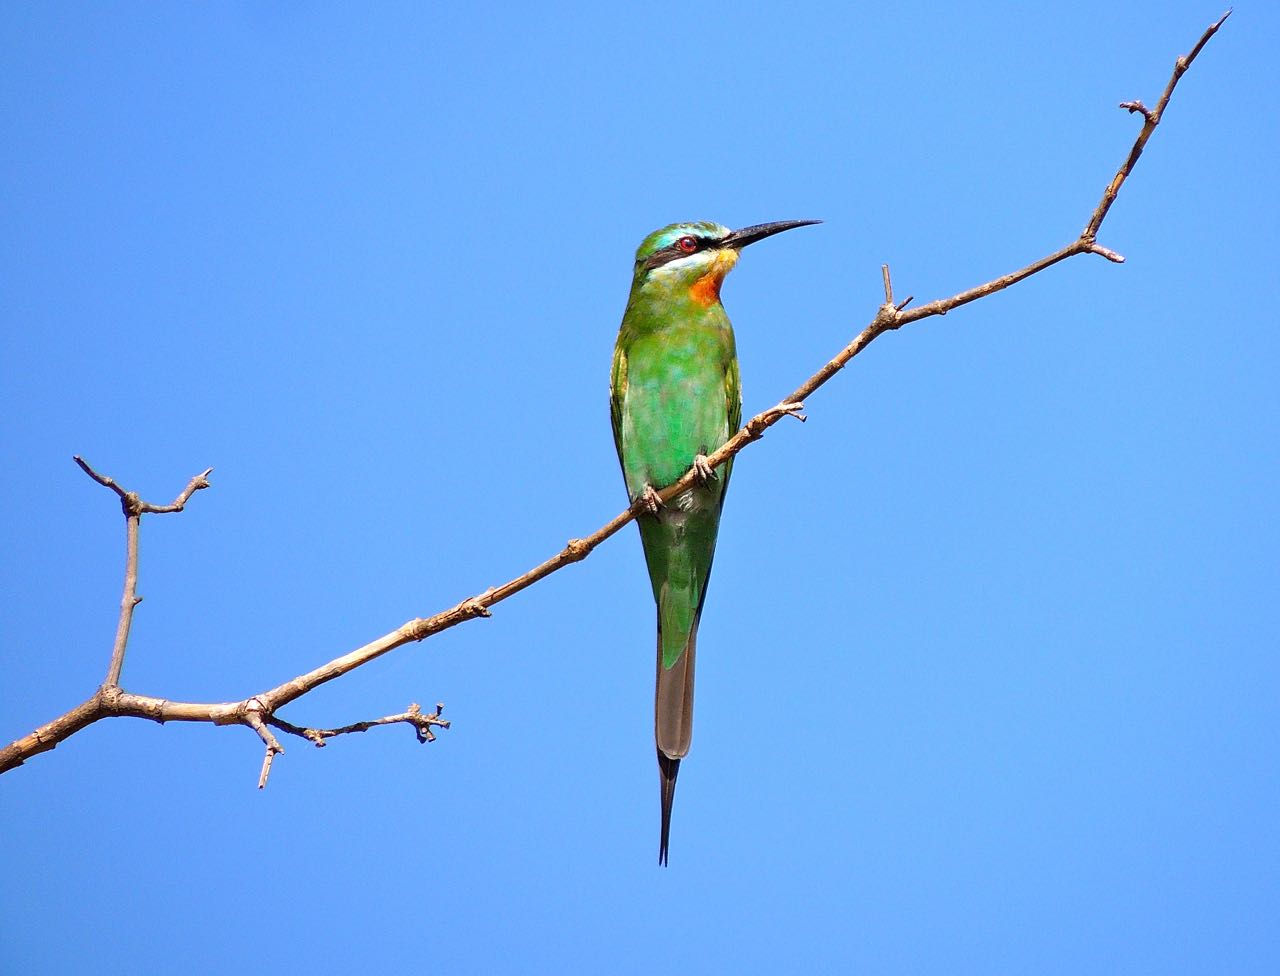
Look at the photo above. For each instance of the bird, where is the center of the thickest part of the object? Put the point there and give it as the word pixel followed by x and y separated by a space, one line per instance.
pixel 675 396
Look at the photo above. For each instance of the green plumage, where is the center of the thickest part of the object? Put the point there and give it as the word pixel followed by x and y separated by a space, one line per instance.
pixel 680 399
pixel 675 395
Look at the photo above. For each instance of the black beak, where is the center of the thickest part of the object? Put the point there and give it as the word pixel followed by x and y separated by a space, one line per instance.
pixel 739 239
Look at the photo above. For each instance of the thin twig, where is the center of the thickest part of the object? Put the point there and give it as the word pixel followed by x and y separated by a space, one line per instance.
pixel 422 725
pixel 253 717
pixel 1151 120
pixel 130 499
pixel 128 601
pixel 261 709
pixel 134 507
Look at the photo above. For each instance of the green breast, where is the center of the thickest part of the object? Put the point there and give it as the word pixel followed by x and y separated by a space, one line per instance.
pixel 677 399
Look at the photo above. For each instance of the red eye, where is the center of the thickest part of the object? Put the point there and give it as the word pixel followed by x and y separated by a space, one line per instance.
pixel 687 244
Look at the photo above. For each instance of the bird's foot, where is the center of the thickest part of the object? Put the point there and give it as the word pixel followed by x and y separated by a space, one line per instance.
pixel 702 469
pixel 648 503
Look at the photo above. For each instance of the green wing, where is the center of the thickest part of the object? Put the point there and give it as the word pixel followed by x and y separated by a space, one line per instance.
pixel 733 396
pixel 617 394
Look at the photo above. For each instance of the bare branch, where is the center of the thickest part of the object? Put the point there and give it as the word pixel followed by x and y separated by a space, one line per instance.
pixel 1152 119
pixel 253 717
pixel 128 601
pixel 51 733
pixel 134 507
pixel 130 499
pixel 422 725
pixel 259 711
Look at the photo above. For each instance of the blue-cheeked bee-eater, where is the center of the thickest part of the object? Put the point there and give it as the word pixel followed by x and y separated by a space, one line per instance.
pixel 675 398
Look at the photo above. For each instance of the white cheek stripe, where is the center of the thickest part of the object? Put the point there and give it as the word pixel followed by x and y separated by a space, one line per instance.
pixel 702 259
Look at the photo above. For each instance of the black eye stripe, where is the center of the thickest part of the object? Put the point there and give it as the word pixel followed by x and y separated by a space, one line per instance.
pixel 672 251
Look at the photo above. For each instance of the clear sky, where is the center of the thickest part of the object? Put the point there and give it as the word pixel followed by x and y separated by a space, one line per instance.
pixel 988 674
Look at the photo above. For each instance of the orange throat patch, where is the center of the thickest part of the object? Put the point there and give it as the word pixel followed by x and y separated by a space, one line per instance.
pixel 706 290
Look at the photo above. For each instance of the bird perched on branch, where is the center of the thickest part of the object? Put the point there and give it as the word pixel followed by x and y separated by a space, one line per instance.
pixel 674 399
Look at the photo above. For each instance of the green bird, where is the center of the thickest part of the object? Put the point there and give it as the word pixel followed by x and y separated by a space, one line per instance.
pixel 675 398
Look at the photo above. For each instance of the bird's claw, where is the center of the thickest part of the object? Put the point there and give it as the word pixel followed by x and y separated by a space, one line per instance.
pixel 702 469
pixel 649 501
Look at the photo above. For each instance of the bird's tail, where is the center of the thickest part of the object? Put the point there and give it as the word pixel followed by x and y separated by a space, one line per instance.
pixel 673 700
pixel 668 769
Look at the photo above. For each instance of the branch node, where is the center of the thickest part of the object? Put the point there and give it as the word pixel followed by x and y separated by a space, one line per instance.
pixel 761 422
pixel 577 550
pixel 887 317
pixel 132 504
pixel 1137 106
pixel 157 711
pixel 251 714
pixel 422 723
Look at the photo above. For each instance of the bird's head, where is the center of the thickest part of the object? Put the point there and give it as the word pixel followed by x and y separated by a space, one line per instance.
pixel 693 258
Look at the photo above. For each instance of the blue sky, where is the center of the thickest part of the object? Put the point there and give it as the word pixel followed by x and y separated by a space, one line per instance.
pixel 988 672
